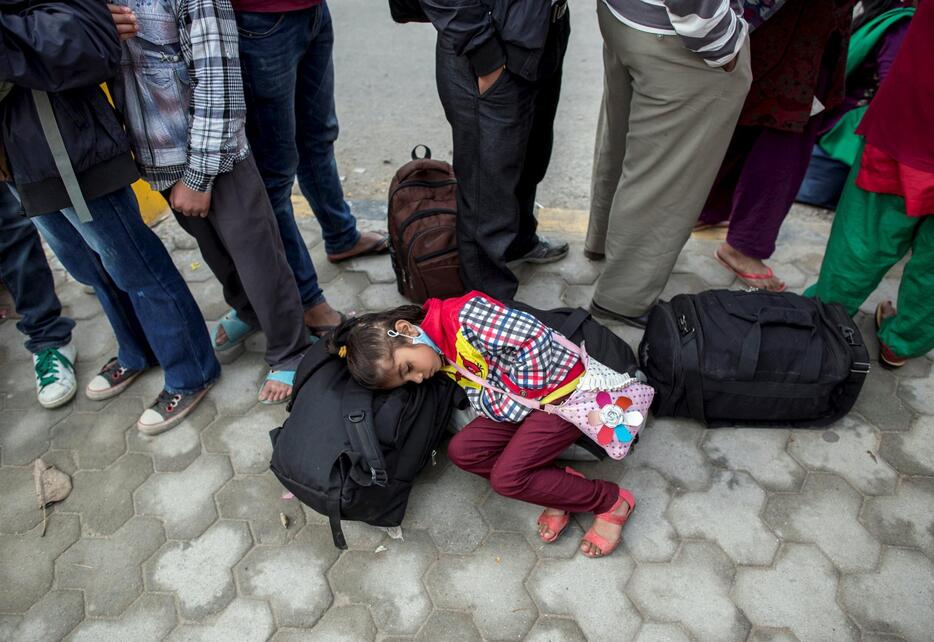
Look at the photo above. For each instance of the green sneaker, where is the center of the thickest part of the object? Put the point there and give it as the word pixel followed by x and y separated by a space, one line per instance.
pixel 55 375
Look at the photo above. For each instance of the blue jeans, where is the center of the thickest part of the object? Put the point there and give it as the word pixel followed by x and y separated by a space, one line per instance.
pixel 154 317
pixel 26 274
pixel 288 76
pixel 824 180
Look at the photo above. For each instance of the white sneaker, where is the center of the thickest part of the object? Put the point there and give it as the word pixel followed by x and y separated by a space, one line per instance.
pixel 55 375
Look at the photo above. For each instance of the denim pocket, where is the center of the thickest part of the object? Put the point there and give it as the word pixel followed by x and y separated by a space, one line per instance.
pixel 492 89
pixel 255 25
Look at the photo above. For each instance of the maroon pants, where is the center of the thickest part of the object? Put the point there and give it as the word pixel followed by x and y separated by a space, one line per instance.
pixel 518 459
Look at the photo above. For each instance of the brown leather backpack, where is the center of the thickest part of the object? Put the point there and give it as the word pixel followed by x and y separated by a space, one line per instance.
pixel 423 229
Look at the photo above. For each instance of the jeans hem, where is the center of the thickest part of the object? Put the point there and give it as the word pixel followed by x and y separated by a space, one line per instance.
pixel 188 391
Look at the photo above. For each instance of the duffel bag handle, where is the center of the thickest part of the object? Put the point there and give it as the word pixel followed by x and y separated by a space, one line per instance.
pixel 752 344
pixel 415 155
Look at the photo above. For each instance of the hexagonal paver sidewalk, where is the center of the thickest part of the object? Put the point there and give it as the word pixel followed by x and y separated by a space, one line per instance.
pixel 738 534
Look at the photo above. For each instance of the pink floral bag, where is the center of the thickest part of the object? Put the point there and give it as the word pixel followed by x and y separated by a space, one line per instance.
pixel 608 406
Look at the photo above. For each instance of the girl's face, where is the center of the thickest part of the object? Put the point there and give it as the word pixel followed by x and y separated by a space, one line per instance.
pixel 413 363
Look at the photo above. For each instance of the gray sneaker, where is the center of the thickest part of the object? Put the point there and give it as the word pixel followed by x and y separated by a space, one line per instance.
pixel 545 251
pixel 168 410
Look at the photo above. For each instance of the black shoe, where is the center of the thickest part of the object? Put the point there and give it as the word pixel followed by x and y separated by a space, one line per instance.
pixel 637 322
pixel 544 252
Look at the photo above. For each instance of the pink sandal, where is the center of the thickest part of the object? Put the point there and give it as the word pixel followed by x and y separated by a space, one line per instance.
pixel 556 523
pixel 747 277
pixel 595 539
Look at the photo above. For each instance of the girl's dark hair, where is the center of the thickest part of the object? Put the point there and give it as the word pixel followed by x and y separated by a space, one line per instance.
pixel 366 342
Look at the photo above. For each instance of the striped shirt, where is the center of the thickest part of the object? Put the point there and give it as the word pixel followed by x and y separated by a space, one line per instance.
pixel 713 29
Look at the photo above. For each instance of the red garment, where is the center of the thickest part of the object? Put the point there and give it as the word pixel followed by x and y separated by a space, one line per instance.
pixel 882 174
pixel 900 119
pixel 273 6
pixel 508 348
pixel 518 459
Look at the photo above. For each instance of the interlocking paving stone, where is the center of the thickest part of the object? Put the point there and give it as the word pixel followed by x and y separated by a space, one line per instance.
pixel 574 269
pixel 728 514
pixel 681 284
pixel 98 438
pixel 447 510
pixel 235 393
pixel 26 562
pixel 343 293
pixel 761 453
pixel 767 634
pixel 578 296
pixel 192 266
pixel 911 453
pixel 24 434
pixel 258 499
pixel 542 291
pixel 705 267
pixel 389 582
pixel 381 296
pixel 243 620
pixel 95 342
pixel 174 450
pixel 326 270
pixel 51 618
pixel 918 394
pixel 377 268
pixel 149 620
pixel 670 446
pixel 200 571
pixel 489 584
pixel 549 628
pixel 825 512
pixel 692 590
pixel 904 519
pixel 796 592
pixel 352 623
pixel 879 404
pixel 648 534
pixel 19 511
pixel 587 590
pixel 245 439
pixel 849 449
pixel 301 566
pixel 896 598
pixel 104 498
pixel 78 304
pixel 504 514
pixel 8 624
pixel 108 569
pixel 185 500
pixel 451 626
pixel 658 632
pixel 210 299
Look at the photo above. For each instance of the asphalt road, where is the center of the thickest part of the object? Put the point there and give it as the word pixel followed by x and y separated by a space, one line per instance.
pixel 387 101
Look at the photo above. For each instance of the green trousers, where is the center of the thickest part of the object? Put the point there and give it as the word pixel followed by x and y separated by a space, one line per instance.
pixel 870 234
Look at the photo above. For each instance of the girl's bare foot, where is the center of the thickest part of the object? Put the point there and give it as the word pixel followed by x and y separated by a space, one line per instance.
pixel 543 531
pixel 606 530
pixel 752 272
pixel 274 392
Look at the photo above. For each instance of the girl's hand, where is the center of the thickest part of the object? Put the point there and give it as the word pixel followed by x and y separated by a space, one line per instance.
pixel 125 19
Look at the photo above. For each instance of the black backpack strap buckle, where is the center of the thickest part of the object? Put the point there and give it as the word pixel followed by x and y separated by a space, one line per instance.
pixel 860 367
pixel 379 477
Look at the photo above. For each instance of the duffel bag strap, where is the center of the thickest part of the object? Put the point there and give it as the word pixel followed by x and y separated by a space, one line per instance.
pixel 574 321
pixel 752 344
pixel 333 505
pixel 693 389
pixel 357 410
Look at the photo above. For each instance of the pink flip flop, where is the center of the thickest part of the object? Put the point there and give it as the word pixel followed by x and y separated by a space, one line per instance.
pixel 747 277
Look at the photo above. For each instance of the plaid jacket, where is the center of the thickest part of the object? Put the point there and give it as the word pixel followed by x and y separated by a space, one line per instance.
pixel 511 349
pixel 181 92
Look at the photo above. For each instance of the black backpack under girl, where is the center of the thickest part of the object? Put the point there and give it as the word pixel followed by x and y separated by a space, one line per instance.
pixel 727 357
pixel 353 453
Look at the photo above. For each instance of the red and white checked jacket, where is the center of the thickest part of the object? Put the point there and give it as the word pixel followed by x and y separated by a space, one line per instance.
pixel 509 348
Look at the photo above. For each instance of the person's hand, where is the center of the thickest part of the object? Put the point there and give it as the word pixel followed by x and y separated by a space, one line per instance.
pixel 485 82
pixel 125 19
pixel 187 201
pixel 730 66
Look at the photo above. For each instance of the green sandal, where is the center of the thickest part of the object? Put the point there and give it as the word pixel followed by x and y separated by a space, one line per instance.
pixel 237 331
pixel 280 376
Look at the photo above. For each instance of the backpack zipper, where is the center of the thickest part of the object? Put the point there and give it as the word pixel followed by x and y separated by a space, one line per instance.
pixel 404 184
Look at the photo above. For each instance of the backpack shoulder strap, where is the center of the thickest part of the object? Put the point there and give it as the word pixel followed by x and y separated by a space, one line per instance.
pixel 574 321
pixel 357 411
pixel 66 171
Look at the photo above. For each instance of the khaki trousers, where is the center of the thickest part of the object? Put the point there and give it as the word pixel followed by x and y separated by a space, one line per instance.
pixel 665 123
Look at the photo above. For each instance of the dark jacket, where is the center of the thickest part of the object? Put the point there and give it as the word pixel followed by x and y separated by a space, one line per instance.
pixel 492 33
pixel 67 49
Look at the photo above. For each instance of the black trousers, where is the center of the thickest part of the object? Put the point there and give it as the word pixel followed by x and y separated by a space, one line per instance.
pixel 502 146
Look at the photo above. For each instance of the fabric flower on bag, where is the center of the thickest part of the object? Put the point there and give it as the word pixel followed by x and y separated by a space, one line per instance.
pixel 613 417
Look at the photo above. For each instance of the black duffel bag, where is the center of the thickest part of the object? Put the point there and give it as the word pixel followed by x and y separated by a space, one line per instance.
pixel 757 358
pixel 353 453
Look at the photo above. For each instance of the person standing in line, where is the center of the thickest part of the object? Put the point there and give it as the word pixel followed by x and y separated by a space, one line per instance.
pixel 676 73
pixel 55 55
pixel 182 98
pixel 498 70
pixel 25 272
pixel 886 210
pixel 798 62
